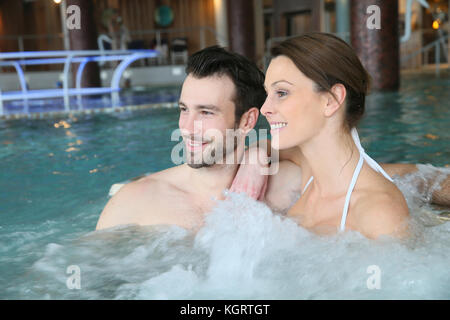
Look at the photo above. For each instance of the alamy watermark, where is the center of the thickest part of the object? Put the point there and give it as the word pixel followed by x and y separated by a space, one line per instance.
pixel 374 281
pixel 73 18
pixel 373 21
pixel 212 146
pixel 74 280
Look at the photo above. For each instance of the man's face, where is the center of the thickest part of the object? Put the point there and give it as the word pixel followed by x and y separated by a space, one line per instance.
pixel 206 112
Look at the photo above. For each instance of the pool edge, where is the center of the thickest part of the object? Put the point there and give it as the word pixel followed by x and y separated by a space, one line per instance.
pixel 58 114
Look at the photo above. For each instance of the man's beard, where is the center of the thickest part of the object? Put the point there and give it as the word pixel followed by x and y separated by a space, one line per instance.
pixel 203 163
pixel 210 159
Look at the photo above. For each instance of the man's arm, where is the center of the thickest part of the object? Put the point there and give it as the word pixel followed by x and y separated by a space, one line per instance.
pixel 129 205
pixel 119 208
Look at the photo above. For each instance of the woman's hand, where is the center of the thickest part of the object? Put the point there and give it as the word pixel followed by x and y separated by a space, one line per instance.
pixel 252 177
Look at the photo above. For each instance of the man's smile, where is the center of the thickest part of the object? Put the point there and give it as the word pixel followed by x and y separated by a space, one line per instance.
pixel 195 145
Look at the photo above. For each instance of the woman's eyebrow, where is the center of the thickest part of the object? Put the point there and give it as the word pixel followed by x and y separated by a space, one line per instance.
pixel 276 82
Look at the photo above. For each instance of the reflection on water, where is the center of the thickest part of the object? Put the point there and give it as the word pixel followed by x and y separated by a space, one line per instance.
pixel 245 251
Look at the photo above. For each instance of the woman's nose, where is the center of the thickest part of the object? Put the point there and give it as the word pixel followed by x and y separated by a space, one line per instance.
pixel 266 108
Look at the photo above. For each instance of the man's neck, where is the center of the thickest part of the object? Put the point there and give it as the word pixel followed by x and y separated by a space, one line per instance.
pixel 212 181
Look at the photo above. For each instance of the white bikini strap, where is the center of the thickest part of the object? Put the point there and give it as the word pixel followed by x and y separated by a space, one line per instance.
pixel 375 166
pixel 350 190
pixel 307 184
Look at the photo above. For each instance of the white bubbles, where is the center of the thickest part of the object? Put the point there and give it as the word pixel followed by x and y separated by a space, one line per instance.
pixel 245 251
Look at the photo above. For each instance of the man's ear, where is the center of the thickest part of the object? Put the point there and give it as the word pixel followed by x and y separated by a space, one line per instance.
pixel 248 120
pixel 335 102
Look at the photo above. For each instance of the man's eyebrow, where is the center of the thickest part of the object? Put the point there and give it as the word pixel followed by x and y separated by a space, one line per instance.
pixel 201 106
pixel 207 106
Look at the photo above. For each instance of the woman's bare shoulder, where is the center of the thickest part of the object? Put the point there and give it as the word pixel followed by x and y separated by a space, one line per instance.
pixel 381 210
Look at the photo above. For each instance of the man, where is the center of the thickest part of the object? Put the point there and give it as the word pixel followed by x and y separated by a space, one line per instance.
pixel 222 91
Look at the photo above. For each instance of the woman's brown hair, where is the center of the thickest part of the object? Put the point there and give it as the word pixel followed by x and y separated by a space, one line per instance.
pixel 328 60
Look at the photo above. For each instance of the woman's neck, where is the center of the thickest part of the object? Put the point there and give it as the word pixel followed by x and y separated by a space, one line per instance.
pixel 331 158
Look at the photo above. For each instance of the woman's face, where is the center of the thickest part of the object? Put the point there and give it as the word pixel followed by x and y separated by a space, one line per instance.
pixel 293 108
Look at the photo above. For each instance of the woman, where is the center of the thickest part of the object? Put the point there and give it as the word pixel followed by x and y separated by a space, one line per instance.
pixel 316 88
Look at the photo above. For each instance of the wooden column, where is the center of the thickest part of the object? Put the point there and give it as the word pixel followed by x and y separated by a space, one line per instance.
pixel 85 38
pixel 241 27
pixel 378 49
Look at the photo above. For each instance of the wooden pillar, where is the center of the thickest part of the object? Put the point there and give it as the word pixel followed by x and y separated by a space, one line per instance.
pixel 378 49
pixel 241 27
pixel 259 32
pixel 85 38
pixel 220 15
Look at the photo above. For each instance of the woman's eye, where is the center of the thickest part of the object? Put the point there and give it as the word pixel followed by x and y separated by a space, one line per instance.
pixel 182 109
pixel 281 94
pixel 206 113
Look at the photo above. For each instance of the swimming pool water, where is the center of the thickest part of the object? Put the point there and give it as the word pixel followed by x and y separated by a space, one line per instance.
pixel 56 174
pixel 127 97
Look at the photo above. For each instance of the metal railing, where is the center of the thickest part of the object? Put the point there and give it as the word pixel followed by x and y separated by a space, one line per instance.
pixel 437 44
pixel 19 59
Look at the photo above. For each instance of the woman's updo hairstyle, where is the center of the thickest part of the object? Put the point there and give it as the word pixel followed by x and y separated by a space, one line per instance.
pixel 327 60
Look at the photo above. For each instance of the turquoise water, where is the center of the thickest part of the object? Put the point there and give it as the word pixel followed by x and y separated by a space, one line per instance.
pixel 127 97
pixel 55 178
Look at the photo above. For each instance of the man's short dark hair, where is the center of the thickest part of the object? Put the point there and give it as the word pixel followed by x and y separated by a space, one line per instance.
pixel 247 78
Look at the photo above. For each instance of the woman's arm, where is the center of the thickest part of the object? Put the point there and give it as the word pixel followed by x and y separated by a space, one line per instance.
pixel 259 163
pixel 252 175
pixel 440 185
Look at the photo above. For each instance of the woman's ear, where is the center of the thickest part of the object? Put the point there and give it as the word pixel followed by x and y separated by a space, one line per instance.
pixel 248 120
pixel 335 102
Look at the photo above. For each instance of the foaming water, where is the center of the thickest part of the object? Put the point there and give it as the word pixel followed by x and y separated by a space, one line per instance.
pixel 245 251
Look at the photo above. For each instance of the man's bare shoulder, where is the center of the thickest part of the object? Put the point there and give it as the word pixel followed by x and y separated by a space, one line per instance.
pixel 146 196
pixel 151 187
pixel 169 175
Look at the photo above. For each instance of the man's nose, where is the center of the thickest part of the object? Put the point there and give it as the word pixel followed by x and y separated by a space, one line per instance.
pixel 192 125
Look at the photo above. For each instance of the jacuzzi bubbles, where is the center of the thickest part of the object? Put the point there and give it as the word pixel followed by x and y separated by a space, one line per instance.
pixel 245 251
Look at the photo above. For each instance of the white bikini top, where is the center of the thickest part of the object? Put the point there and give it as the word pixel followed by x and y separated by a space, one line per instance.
pixel 362 156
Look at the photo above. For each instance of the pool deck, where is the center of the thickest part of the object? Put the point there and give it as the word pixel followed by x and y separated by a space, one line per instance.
pixel 428 69
pixel 62 114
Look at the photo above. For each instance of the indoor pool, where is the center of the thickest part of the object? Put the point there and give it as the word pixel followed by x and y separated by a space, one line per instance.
pixel 55 178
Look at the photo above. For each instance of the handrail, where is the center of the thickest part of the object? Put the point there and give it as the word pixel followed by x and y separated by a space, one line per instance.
pixel 408 12
pixel 63 53
pixel 436 44
pixel 423 49
pixel 67 58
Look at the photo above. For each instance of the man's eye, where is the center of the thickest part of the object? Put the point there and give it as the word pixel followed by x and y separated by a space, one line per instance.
pixel 183 109
pixel 206 113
